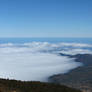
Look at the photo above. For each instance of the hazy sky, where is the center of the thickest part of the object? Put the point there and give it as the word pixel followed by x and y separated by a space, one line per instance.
pixel 45 18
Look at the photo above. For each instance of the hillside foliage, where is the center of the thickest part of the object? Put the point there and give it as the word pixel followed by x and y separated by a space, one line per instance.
pixel 19 86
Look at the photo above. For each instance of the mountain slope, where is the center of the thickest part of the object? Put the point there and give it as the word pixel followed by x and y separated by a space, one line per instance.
pixel 18 86
pixel 80 77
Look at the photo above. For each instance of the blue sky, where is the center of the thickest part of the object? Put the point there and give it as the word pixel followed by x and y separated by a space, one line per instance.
pixel 45 18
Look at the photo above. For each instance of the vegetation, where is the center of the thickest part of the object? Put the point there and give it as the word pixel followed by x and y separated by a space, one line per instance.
pixel 80 77
pixel 19 86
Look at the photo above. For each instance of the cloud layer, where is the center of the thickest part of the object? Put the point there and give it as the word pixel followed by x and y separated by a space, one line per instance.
pixel 37 60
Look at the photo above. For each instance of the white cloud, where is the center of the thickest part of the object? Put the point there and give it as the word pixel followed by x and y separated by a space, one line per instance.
pixel 76 44
pixel 35 61
pixel 29 66
pixel 76 51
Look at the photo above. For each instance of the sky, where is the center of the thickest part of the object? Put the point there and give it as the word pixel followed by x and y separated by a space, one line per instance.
pixel 45 18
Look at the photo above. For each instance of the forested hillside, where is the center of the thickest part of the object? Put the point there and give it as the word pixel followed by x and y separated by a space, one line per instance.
pixel 18 86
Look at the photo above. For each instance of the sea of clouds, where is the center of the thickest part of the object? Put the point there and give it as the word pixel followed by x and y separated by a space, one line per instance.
pixel 37 61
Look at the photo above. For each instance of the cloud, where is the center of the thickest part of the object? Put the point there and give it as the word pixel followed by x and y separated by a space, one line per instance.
pixel 37 66
pixel 76 44
pixel 76 51
pixel 37 60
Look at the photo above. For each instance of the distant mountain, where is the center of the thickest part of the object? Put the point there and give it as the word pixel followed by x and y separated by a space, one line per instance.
pixel 18 86
pixel 86 59
pixel 80 77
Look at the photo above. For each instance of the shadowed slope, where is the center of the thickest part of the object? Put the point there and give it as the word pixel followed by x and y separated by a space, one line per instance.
pixel 18 86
